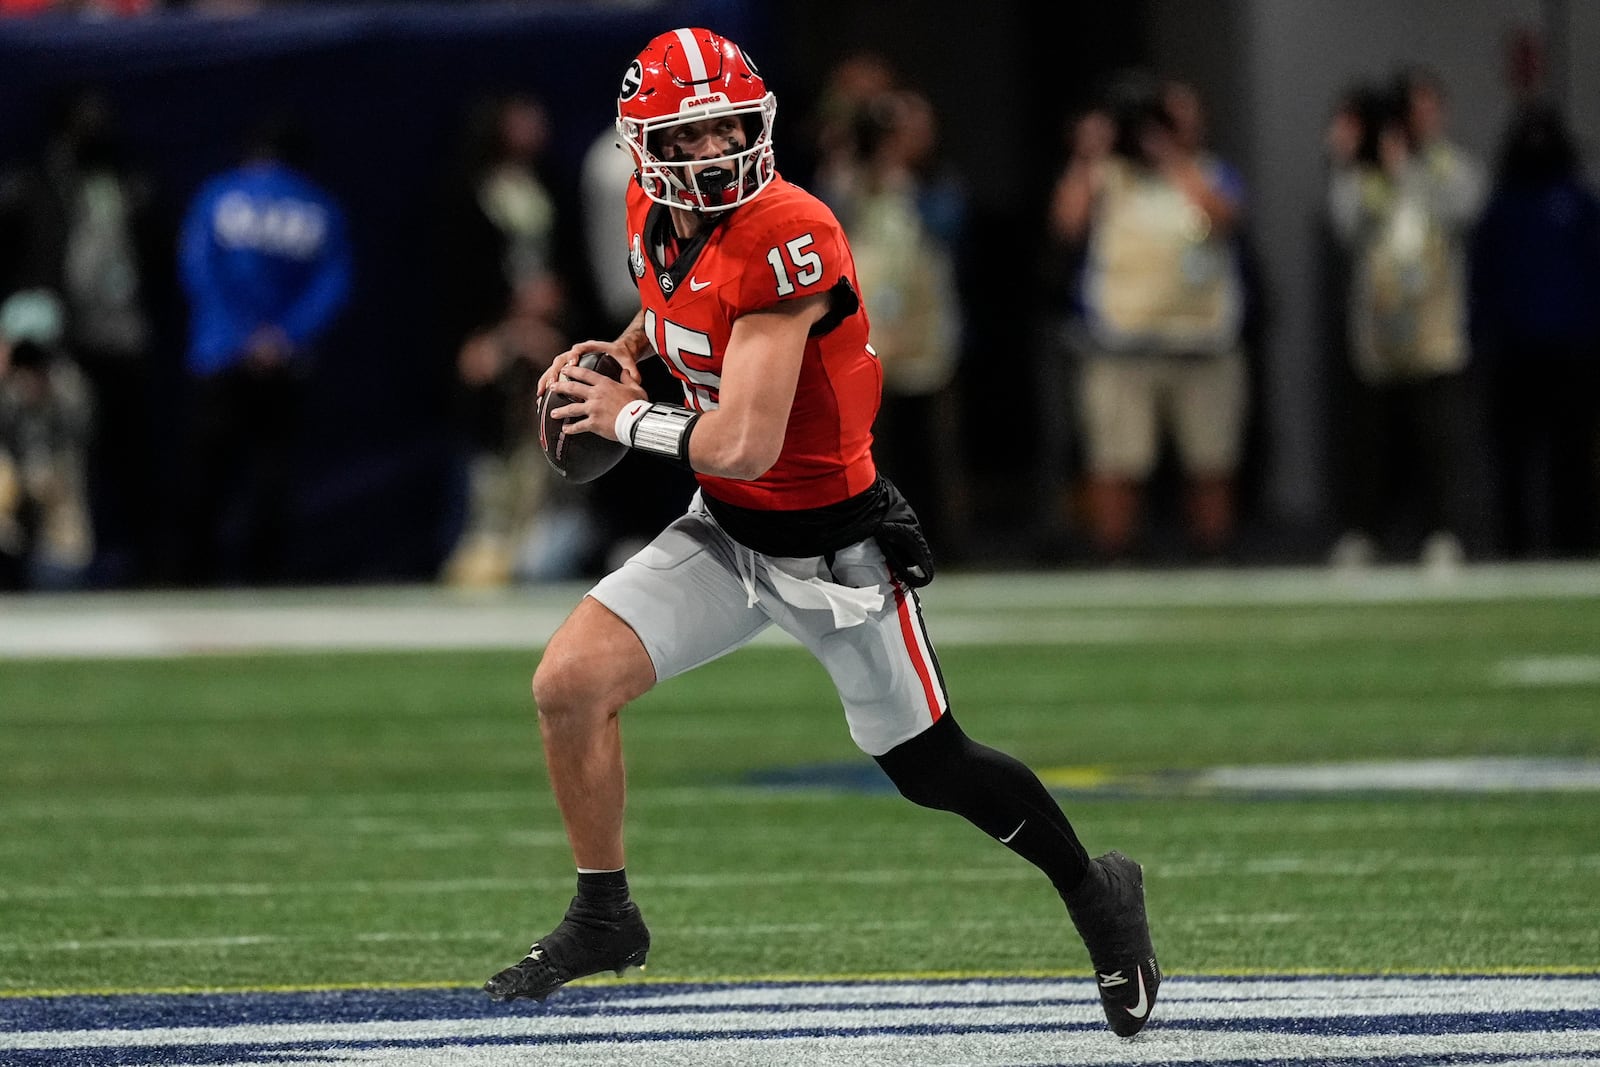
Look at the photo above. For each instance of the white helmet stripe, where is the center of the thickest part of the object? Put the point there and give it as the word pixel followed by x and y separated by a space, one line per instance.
pixel 697 62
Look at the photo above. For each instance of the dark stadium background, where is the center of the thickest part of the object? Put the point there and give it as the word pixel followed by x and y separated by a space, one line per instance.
pixel 383 88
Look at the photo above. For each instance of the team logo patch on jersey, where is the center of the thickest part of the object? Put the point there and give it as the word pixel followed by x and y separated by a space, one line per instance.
pixel 666 282
pixel 636 257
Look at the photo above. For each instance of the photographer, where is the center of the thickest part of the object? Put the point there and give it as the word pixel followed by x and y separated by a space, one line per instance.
pixel 1160 311
pixel 1402 200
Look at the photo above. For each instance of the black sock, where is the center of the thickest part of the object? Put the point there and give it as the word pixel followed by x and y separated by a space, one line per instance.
pixel 945 769
pixel 607 890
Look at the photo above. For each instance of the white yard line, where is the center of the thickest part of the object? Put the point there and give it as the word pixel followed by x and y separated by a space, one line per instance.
pixel 1533 672
pixel 1485 774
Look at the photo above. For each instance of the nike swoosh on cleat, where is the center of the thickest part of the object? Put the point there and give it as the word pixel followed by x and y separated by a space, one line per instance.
pixel 1006 840
pixel 1142 1008
pixel 694 286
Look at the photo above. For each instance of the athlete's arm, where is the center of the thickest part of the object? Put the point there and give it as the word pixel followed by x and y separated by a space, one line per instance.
pixel 742 436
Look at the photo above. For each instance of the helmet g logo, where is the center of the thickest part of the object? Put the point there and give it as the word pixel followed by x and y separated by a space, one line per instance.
pixel 632 78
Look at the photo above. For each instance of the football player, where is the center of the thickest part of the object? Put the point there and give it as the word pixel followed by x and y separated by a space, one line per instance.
pixel 748 291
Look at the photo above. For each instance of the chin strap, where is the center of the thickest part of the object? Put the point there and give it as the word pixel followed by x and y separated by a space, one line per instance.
pixel 660 429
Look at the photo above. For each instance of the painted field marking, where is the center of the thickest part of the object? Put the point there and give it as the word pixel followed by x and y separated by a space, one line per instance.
pixel 1532 672
pixel 1466 774
pixel 1490 774
pixel 1350 1022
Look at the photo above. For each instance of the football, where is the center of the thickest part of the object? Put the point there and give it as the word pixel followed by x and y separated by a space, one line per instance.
pixel 579 457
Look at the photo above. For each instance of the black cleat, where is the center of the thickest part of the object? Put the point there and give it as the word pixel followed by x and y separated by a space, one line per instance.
pixel 587 941
pixel 1108 911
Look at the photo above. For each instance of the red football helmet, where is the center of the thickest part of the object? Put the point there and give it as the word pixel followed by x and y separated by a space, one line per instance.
pixel 691 75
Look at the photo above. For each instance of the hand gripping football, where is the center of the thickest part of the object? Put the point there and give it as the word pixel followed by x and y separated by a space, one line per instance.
pixel 578 457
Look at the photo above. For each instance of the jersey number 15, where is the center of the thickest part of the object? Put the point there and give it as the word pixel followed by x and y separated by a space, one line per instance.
pixel 807 265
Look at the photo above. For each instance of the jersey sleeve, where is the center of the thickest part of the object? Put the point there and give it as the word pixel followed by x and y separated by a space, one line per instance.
pixel 797 255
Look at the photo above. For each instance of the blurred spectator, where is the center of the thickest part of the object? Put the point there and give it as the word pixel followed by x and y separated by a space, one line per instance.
pixel 1160 311
pixel 1536 313
pixel 45 540
pixel 851 86
pixel 904 218
pixel 505 307
pixel 1087 140
pixel 1527 67
pixel 82 224
pixel 266 262
pixel 1402 198
pixel 1090 139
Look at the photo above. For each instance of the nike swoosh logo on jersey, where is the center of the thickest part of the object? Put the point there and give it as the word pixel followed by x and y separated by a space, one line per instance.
pixel 1006 840
pixel 694 286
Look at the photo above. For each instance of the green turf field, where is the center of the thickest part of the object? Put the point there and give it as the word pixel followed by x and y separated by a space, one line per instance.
pixel 292 820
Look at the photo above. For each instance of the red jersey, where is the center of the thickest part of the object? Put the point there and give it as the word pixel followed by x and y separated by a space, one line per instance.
pixel 783 244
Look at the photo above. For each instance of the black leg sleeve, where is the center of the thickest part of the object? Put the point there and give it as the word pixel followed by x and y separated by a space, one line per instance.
pixel 943 768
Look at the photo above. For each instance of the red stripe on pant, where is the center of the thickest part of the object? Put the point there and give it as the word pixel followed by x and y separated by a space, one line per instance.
pixel 902 606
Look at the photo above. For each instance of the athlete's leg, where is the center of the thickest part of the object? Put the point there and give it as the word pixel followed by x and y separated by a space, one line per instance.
pixel 890 683
pixel 943 768
pixel 894 699
pixel 678 603
pixel 593 665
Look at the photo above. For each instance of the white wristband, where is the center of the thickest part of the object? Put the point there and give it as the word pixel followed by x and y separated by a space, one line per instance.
pixel 627 418
pixel 660 429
